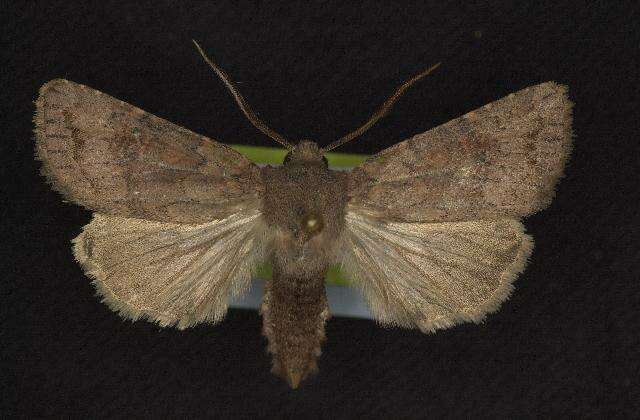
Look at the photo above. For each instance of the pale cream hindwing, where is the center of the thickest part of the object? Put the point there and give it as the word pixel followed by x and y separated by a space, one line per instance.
pixel 169 273
pixel 433 275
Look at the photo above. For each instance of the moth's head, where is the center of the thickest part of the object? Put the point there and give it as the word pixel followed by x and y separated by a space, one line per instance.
pixel 306 152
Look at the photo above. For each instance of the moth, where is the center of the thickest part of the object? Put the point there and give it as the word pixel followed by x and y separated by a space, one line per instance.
pixel 429 229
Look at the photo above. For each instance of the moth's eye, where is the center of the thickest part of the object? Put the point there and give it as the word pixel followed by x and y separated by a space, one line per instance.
pixel 287 158
pixel 326 162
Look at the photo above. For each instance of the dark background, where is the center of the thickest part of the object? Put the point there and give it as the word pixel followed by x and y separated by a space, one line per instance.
pixel 565 344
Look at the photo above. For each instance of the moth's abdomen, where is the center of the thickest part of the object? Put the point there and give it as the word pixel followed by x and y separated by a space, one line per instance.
pixel 294 312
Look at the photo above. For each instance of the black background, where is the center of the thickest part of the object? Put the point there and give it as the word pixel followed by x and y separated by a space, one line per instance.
pixel 563 345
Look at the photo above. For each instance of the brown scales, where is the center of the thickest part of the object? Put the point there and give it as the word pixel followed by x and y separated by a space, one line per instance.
pixel 429 229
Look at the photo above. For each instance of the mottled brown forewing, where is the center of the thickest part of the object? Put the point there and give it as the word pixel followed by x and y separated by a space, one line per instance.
pixel 501 160
pixel 114 158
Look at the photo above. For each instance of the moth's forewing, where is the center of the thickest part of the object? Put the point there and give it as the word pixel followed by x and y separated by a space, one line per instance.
pixel 114 158
pixel 501 160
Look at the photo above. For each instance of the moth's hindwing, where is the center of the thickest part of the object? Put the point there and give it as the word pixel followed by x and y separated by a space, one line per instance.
pixel 434 275
pixel 170 273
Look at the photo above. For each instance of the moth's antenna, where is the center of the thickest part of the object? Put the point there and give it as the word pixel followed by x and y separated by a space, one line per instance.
pixel 244 106
pixel 386 106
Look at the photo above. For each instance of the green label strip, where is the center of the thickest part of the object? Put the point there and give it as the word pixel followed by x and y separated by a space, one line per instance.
pixel 275 156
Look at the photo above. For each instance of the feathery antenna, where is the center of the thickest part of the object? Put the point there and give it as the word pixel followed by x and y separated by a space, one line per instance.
pixel 244 106
pixel 386 106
